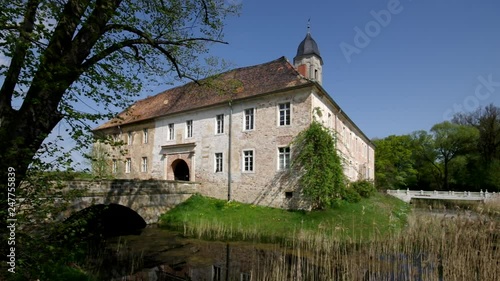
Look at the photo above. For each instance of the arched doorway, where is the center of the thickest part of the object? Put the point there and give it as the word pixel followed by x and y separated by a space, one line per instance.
pixel 181 170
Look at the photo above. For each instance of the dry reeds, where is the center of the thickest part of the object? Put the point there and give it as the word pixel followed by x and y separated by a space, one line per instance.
pixel 458 248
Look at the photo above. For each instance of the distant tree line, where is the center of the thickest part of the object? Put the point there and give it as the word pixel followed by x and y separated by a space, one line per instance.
pixel 461 154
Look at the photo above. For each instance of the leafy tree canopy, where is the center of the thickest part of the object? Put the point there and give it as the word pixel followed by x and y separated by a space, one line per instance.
pixel 78 61
pixel 92 52
pixel 394 162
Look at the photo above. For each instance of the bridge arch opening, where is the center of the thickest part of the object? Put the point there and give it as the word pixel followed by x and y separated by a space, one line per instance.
pixel 181 170
pixel 106 220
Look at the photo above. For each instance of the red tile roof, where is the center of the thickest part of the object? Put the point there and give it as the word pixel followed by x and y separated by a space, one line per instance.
pixel 239 83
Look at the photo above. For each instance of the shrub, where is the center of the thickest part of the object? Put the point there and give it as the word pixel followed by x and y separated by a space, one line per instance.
pixel 364 188
pixel 350 195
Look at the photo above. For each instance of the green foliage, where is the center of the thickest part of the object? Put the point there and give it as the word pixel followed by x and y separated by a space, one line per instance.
pixel 483 162
pixel 451 140
pixel 218 219
pixel 394 162
pixel 350 195
pixel 74 63
pixel 459 155
pixel 319 166
pixel 100 161
pixel 364 188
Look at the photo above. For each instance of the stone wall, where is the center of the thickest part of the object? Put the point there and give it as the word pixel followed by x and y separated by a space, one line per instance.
pixel 149 198
pixel 136 150
pixel 356 149
pixel 266 185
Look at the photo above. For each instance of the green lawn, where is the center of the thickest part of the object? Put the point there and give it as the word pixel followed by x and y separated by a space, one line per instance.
pixel 210 218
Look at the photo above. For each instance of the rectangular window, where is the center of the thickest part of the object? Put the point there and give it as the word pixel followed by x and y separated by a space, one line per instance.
pixel 217 273
pixel 115 166
pixel 248 164
pixel 128 165
pixel 189 128
pixel 171 131
pixel 219 124
pixel 129 138
pixel 145 136
pixel 284 114
pixel 144 164
pixel 284 158
pixel 249 119
pixel 218 162
pixel 116 137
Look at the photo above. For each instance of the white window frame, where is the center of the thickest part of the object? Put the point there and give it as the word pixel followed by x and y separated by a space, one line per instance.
pixel 145 135
pixel 219 162
pixel 244 161
pixel 130 138
pixel 114 167
pixel 219 124
pixel 287 159
pixel 128 165
pixel 189 129
pixel 249 126
pixel 286 121
pixel 144 164
pixel 171 131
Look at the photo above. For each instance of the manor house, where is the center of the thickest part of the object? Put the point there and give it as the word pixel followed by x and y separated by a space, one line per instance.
pixel 232 132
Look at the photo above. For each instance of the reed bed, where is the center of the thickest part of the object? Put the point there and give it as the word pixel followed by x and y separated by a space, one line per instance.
pixel 458 247
pixel 461 246
pixel 445 248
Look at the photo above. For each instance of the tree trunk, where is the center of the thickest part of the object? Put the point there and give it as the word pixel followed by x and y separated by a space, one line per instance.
pixel 22 133
pixel 445 179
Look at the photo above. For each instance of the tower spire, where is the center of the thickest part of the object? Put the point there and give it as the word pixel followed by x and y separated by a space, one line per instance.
pixel 308 60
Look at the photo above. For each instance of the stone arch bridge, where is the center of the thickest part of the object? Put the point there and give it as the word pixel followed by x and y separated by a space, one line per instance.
pixel 148 198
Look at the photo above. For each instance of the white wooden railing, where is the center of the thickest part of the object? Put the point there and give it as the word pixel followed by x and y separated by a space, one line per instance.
pixel 407 195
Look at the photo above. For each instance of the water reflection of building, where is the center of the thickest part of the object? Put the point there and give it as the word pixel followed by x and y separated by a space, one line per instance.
pixel 217 261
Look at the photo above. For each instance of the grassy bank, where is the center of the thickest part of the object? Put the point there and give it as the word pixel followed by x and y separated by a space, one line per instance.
pixel 342 244
pixel 210 218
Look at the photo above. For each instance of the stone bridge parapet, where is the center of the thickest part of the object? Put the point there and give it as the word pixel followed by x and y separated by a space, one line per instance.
pixel 149 198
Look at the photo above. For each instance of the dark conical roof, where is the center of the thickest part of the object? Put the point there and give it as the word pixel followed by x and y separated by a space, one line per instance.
pixel 308 47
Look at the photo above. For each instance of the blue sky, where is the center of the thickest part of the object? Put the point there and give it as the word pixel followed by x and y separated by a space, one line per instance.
pixel 428 61
pixel 431 59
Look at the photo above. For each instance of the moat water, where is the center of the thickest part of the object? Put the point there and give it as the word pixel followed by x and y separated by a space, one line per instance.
pixel 160 254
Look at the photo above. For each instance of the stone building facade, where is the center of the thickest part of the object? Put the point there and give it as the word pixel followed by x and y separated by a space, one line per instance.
pixel 233 134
